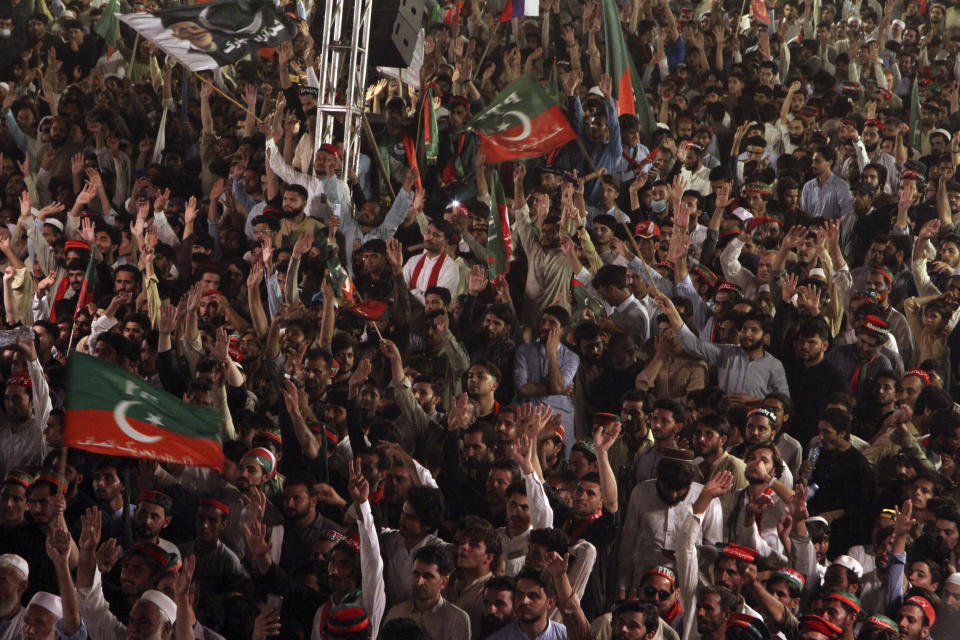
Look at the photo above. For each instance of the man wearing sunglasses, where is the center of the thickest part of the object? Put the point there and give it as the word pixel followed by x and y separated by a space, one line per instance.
pixel 659 587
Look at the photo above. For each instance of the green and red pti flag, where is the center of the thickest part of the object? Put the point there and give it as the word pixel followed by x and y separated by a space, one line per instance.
pixel 499 240
pixel 627 85
pixel 85 296
pixel 759 10
pixel 521 122
pixel 113 412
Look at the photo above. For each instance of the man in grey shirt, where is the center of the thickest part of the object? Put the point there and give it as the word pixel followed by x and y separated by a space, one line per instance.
pixel 745 372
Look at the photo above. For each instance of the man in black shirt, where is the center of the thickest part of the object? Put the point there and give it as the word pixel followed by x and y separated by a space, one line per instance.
pixel 845 483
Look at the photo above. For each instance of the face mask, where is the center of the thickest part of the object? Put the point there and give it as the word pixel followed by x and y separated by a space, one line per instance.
pixel 658 206
pixel 6 33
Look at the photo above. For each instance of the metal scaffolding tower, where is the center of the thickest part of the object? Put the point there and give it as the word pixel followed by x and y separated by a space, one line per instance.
pixel 343 73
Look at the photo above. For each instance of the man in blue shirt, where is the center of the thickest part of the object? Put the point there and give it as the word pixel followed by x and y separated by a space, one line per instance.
pixel 543 371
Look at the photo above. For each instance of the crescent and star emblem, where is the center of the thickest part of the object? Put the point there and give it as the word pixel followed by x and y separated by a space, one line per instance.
pixel 524 120
pixel 120 417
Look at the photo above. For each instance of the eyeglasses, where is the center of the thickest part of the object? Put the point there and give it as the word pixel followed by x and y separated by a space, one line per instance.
pixel 658 594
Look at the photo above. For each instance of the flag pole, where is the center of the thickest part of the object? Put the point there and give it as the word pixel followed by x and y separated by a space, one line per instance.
pixel 375 152
pixel 743 8
pixel 228 97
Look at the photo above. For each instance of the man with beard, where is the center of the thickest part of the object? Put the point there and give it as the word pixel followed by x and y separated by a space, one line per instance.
pixel 867 145
pixel 421 515
pixel 635 620
pixel 695 175
pixel 948 616
pixel 108 487
pixel 141 568
pixel 757 511
pixel 14 572
pixel 654 504
pixel 433 267
pixel 325 182
pixel 715 605
pixel 544 370
pixel 458 149
pixel 710 437
pixel 26 403
pixel 153 515
pixel 483 379
pixel 659 588
pixel 369 221
pixel 60 167
pixel 666 421
pixel 548 270
pixel 432 567
pixel 304 526
pixel 396 146
pixel 589 345
pixel 811 377
pixel 497 605
pixel 746 373
pixel 295 222
pixel 493 340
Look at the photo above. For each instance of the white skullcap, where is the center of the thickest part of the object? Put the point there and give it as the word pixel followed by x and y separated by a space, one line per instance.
pixel 47 601
pixel 849 563
pixel 167 606
pixel 14 561
pixel 53 222
pixel 817 272
pixel 954 579
pixel 899 23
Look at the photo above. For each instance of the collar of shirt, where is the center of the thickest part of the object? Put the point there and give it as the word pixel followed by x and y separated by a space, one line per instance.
pixel 623 306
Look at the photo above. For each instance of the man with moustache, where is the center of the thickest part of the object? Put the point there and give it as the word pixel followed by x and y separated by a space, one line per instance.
pixel 710 437
pixel 294 221
pixel 433 267
pixel 493 340
pixel 14 572
pixel 548 270
pixel 432 566
pixel 651 523
pixel 497 605
pixel 811 377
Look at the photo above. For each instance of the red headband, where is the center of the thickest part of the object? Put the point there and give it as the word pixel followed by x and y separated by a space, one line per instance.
pixel 210 502
pixel 21 380
pixel 920 373
pixel 925 606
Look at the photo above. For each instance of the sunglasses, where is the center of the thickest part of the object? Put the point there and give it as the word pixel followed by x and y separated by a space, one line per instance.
pixel 660 595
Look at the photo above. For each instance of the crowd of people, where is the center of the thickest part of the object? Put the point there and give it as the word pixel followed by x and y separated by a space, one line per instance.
pixel 712 397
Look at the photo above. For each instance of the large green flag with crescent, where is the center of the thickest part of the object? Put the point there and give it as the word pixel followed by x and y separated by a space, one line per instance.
pixel 113 412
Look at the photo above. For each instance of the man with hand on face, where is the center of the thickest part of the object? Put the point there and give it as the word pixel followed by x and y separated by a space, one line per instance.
pixel 652 520
pixel 544 370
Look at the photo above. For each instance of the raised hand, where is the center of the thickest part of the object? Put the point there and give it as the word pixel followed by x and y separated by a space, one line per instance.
pixel 303 244
pixel 107 555
pixel 359 487
pixel 168 319
pixel 90 530
pixel 478 280
pixel 719 484
pixel 58 547
pixel 556 565
pixel 604 437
